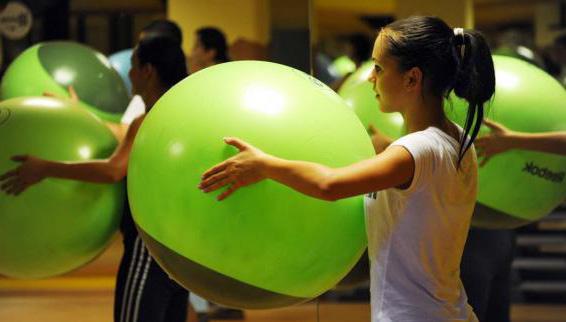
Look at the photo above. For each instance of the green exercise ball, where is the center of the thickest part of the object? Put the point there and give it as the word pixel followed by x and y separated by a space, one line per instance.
pixel 358 93
pixel 266 246
pixel 56 225
pixel 518 187
pixel 343 65
pixel 53 66
pixel 520 52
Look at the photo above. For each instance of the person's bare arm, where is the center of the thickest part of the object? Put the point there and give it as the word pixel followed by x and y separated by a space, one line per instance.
pixel 32 169
pixel 502 139
pixel 379 140
pixel 394 167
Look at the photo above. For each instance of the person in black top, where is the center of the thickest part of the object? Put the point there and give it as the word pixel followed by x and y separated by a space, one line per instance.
pixel 144 292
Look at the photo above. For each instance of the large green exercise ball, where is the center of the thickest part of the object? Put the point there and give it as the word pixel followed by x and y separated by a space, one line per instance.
pixel 518 187
pixel 53 66
pixel 56 225
pixel 267 246
pixel 358 93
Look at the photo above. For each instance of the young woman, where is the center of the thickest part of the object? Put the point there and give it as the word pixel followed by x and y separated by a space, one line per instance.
pixel 144 292
pixel 426 182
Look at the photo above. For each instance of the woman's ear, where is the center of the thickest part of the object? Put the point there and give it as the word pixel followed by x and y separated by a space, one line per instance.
pixel 210 54
pixel 146 70
pixel 413 79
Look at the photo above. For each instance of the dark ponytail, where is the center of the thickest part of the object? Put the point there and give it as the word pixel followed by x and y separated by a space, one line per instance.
pixel 475 81
pixel 449 60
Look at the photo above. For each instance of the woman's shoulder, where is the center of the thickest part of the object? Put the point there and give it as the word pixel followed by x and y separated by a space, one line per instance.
pixel 136 123
pixel 134 127
pixel 138 119
pixel 429 138
pixel 431 144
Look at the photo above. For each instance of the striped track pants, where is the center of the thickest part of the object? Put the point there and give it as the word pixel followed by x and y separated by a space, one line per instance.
pixel 144 292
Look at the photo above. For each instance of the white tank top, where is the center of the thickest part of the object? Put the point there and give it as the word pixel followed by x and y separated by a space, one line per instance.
pixel 416 236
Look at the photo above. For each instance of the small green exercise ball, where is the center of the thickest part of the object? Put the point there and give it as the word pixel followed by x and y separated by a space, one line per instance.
pixel 518 187
pixel 267 245
pixel 358 93
pixel 53 66
pixel 56 225
pixel 343 65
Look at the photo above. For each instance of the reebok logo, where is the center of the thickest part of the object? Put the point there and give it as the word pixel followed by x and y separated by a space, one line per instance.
pixel 372 195
pixel 543 173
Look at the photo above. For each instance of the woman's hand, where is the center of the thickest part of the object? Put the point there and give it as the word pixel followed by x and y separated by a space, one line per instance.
pixel 494 143
pixel 30 172
pixel 243 169
pixel 72 94
pixel 379 140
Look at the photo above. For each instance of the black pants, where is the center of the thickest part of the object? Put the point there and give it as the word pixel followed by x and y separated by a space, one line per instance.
pixel 486 272
pixel 144 292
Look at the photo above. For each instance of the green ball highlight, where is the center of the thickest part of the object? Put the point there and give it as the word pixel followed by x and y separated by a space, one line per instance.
pixel 358 93
pixel 518 187
pixel 53 66
pixel 267 245
pixel 56 225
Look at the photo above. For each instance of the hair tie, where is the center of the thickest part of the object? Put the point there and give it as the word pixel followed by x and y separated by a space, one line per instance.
pixel 459 41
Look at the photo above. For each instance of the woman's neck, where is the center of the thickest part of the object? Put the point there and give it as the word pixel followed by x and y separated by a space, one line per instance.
pixel 425 113
pixel 151 96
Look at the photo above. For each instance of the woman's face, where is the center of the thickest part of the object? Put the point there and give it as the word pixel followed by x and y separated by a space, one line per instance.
pixel 387 79
pixel 200 57
pixel 136 75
